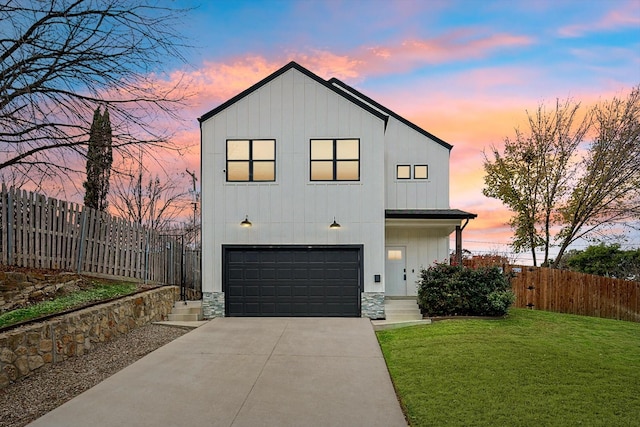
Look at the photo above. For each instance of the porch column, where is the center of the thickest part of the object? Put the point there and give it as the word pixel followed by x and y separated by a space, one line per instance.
pixel 458 245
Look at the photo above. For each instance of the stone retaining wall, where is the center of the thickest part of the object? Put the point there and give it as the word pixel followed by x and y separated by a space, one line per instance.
pixel 17 289
pixel 34 347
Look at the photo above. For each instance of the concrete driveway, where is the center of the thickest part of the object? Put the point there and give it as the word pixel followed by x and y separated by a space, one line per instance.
pixel 248 372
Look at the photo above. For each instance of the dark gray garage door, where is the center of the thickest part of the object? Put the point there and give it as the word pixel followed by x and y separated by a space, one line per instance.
pixel 292 281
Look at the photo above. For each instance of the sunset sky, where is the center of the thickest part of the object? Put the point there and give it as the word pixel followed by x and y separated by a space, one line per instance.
pixel 466 71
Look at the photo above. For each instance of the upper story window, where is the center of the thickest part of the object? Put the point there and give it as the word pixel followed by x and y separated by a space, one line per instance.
pixel 251 160
pixel 335 160
pixel 420 172
pixel 403 171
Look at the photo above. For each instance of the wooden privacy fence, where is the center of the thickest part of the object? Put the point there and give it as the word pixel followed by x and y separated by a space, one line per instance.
pixel 576 293
pixel 42 232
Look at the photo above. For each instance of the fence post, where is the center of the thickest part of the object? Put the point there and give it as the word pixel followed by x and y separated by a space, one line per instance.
pixel 10 232
pixel 146 256
pixel 83 235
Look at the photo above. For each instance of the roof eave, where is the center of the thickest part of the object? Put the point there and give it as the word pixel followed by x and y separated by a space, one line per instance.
pixel 384 117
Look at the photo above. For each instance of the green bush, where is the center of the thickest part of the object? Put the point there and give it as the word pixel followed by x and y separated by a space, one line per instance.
pixel 448 290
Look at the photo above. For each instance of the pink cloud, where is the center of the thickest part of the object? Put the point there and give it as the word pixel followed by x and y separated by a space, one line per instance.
pixel 450 47
pixel 628 16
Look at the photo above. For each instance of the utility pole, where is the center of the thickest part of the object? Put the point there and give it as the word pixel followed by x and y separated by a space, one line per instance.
pixel 195 200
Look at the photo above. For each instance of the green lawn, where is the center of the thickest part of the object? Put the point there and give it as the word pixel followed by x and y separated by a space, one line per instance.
pixel 96 293
pixel 533 368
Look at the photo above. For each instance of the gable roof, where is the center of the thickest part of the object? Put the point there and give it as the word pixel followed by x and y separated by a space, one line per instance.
pixel 300 68
pixel 335 86
pixel 384 109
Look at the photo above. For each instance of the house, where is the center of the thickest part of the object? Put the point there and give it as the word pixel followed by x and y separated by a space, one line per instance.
pixel 318 201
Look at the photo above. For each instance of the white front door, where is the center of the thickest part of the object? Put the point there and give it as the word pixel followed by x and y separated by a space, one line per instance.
pixel 395 271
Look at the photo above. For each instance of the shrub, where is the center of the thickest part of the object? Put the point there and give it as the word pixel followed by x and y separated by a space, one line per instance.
pixel 446 290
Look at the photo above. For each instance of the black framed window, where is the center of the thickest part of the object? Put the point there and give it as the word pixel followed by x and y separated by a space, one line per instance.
pixel 251 160
pixel 403 171
pixel 420 172
pixel 335 159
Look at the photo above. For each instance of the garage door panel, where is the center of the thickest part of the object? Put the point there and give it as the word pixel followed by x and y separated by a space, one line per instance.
pixel 267 290
pixel 283 291
pixel 292 281
pixel 267 257
pixel 252 291
pixel 300 291
pixel 284 273
pixel 268 274
pixel 300 274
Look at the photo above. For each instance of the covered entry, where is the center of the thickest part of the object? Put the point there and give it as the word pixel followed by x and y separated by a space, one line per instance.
pixel 299 281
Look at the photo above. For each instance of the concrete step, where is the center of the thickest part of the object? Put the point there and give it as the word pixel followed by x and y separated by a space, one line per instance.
pixel 197 303
pixel 402 309
pixel 186 310
pixel 193 317
pixel 402 317
pixel 410 312
pixel 400 302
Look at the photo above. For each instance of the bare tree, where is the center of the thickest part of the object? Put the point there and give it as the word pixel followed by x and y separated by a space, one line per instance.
pixel 566 178
pixel 61 59
pixel 146 200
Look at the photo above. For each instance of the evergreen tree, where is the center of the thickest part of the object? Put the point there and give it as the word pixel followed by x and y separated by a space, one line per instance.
pixel 99 160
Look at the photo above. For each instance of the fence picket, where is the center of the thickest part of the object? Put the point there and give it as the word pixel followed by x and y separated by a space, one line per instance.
pixel 37 231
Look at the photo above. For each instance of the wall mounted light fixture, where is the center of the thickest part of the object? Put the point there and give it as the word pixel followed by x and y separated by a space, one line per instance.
pixel 334 224
pixel 245 222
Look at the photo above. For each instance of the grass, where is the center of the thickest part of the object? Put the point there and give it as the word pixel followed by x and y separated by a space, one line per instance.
pixel 75 299
pixel 532 368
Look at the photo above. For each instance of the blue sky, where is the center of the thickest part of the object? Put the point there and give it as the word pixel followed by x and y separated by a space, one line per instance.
pixel 464 70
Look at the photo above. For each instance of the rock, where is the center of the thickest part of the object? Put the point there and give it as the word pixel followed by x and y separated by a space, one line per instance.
pixel 21 351
pixel 11 372
pixel 35 362
pixel 15 277
pixel 46 346
pixel 7 356
pixel 23 365
pixel 33 338
pixel 35 277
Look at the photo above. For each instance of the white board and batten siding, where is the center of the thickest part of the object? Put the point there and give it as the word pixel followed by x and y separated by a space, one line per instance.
pixel 406 146
pixel 293 109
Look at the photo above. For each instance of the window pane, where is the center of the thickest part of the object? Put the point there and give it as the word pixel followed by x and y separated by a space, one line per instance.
pixel 321 171
pixel 394 254
pixel 237 150
pixel 237 171
pixel 264 171
pixel 347 171
pixel 321 149
pixel 264 149
pixel 404 172
pixel 347 149
pixel 420 172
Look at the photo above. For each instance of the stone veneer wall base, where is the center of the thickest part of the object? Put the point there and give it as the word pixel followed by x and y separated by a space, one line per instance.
pixel 372 305
pixel 212 304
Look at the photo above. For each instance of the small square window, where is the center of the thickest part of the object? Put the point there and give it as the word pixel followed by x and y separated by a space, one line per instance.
pixel 403 172
pixel 420 172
